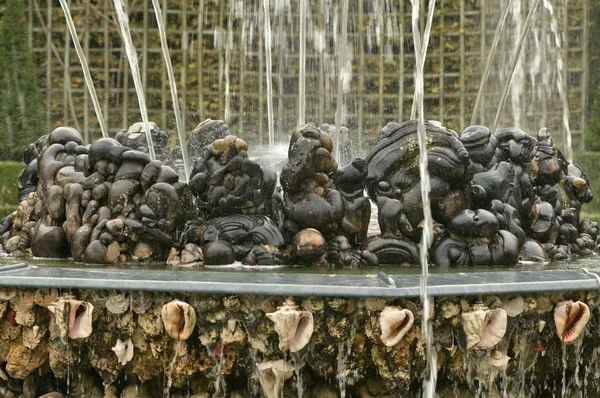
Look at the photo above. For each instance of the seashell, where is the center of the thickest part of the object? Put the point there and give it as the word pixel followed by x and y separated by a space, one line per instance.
pixel 134 391
pixel 499 359
pixel 141 301
pixel 124 351
pixel 7 293
pixel 53 395
pixel 110 391
pixel 293 326
pixel 85 386
pixel 449 309
pixel 484 327
pixel 3 307
pixel 570 319
pixel 73 318
pixel 272 376
pixel 492 301
pixel 179 319
pixel 117 303
pixel 97 297
pixel 513 305
pixel 394 322
pixel 45 297
pixel 541 325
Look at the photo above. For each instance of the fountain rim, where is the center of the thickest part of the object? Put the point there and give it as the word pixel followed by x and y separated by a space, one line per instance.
pixel 332 285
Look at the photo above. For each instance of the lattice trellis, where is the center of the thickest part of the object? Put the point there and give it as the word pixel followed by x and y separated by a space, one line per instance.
pixel 207 61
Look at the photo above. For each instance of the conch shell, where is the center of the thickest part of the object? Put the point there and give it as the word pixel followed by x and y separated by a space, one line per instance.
pixel 484 327
pixel 394 322
pixel 73 318
pixel 272 376
pixel 124 351
pixel 293 326
pixel 570 319
pixel 179 319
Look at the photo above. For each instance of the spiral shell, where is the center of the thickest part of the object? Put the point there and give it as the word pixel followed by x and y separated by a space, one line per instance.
pixel 141 301
pixel 117 303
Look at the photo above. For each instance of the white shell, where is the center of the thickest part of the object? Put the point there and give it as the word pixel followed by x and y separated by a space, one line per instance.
pixel 293 326
pixel 499 359
pixel 123 351
pixel 513 305
pixel 272 376
pixel 484 327
pixel 394 322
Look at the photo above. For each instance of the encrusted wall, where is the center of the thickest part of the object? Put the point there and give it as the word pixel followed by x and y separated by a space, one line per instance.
pixel 103 344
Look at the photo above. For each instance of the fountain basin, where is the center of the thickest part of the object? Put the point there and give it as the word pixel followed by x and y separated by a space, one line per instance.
pixel 300 282
pixel 233 341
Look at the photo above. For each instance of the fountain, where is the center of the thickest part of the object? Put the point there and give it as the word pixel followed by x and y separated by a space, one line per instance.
pixel 206 285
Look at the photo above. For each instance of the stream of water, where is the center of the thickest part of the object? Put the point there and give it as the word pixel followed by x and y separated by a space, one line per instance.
pixel 173 86
pixel 429 381
pixel 85 68
pixel 302 65
pixel 340 83
pixel 269 70
pixel 135 71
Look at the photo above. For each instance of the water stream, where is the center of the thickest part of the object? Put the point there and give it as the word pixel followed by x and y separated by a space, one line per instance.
pixel 559 80
pixel 302 65
pixel 269 70
pixel 173 86
pixel 135 71
pixel 85 68
pixel 340 83
pixel 429 381
pixel 488 64
pixel 515 60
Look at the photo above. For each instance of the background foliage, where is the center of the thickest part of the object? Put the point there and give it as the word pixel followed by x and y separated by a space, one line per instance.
pixel 21 106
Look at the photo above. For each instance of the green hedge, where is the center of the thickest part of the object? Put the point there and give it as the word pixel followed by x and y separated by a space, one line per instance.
pixel 590 163
pixel 9 199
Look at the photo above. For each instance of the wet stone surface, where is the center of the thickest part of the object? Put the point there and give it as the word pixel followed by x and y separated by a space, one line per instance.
pixel 496 200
